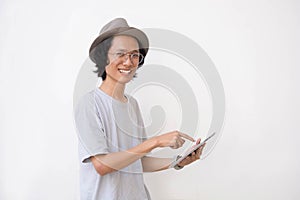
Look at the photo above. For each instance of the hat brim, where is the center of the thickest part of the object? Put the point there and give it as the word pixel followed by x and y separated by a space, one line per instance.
pixel 130 31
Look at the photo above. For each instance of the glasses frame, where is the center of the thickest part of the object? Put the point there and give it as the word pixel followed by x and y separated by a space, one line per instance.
pixel 125 55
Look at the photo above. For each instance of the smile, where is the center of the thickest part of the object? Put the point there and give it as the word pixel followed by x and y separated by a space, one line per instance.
pixel 123 71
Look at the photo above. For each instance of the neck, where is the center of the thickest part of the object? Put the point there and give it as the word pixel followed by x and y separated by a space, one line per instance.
pixel 113 89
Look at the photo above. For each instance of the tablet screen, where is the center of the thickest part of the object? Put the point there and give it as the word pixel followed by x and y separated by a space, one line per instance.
pixel 191 150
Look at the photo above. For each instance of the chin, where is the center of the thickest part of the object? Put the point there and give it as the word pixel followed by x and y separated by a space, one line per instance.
pixel 124 80
pixel 125 77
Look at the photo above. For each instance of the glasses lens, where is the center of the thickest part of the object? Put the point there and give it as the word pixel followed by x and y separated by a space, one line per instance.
pixel 136 57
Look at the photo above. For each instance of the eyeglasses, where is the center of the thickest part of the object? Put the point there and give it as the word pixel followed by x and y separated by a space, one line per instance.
pixel 135 58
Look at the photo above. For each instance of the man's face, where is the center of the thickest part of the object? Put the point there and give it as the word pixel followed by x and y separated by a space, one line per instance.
pixel 123 59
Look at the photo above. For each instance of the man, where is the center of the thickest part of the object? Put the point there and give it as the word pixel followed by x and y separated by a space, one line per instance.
pixel 113 146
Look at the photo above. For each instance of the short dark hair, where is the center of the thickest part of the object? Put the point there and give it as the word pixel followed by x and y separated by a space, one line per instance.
pixel 100 56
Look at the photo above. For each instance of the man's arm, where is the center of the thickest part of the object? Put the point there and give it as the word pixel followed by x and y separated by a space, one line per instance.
pixel 110 162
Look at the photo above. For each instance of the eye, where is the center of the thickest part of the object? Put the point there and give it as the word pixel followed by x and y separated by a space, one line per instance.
pixel 120 54
pixel 135 56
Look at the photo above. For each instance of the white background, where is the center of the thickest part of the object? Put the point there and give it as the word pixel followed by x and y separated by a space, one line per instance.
pixel 254 44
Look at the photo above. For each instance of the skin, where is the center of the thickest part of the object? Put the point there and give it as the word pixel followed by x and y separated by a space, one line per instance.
pixel 114 85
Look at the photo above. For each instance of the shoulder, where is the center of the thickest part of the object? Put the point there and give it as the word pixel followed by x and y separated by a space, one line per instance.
pixel 86 100
pixel 134 103
pixel 132 100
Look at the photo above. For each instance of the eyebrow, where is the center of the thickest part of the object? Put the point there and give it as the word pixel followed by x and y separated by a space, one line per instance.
pixel 125 50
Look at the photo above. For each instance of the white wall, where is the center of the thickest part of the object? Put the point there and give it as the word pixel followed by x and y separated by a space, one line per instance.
pixel 254 45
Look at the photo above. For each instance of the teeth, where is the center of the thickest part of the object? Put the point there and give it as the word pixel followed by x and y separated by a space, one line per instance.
pixel 124 71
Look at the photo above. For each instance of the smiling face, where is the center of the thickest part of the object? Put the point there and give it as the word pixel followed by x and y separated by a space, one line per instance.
pixel 122 63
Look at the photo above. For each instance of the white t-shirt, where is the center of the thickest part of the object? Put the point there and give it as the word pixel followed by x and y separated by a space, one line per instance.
pixel 106 125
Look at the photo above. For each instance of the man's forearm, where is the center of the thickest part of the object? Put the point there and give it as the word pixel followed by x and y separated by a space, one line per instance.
pixel 152 164
pixel 115 161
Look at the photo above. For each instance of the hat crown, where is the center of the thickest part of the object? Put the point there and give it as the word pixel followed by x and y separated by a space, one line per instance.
pixel 115 23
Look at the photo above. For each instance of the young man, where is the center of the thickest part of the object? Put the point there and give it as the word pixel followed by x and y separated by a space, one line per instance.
pixel 113 146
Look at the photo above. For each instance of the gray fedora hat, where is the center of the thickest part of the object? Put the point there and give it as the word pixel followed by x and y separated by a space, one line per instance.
pixel 119 26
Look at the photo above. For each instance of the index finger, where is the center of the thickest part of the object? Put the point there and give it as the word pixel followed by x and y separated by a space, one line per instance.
pixel 186 136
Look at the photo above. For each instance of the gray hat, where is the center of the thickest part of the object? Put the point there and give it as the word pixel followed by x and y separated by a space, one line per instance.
pixel 119 26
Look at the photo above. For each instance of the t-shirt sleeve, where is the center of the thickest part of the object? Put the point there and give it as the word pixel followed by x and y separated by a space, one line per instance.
pixel 90 132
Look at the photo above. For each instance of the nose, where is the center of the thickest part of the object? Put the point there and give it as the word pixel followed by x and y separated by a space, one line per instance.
pixel 127 61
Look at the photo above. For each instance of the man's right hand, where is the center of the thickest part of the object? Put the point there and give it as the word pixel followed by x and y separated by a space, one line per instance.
pixel 174 139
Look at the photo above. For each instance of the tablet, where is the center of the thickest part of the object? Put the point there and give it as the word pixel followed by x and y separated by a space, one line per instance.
pixel 191 150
